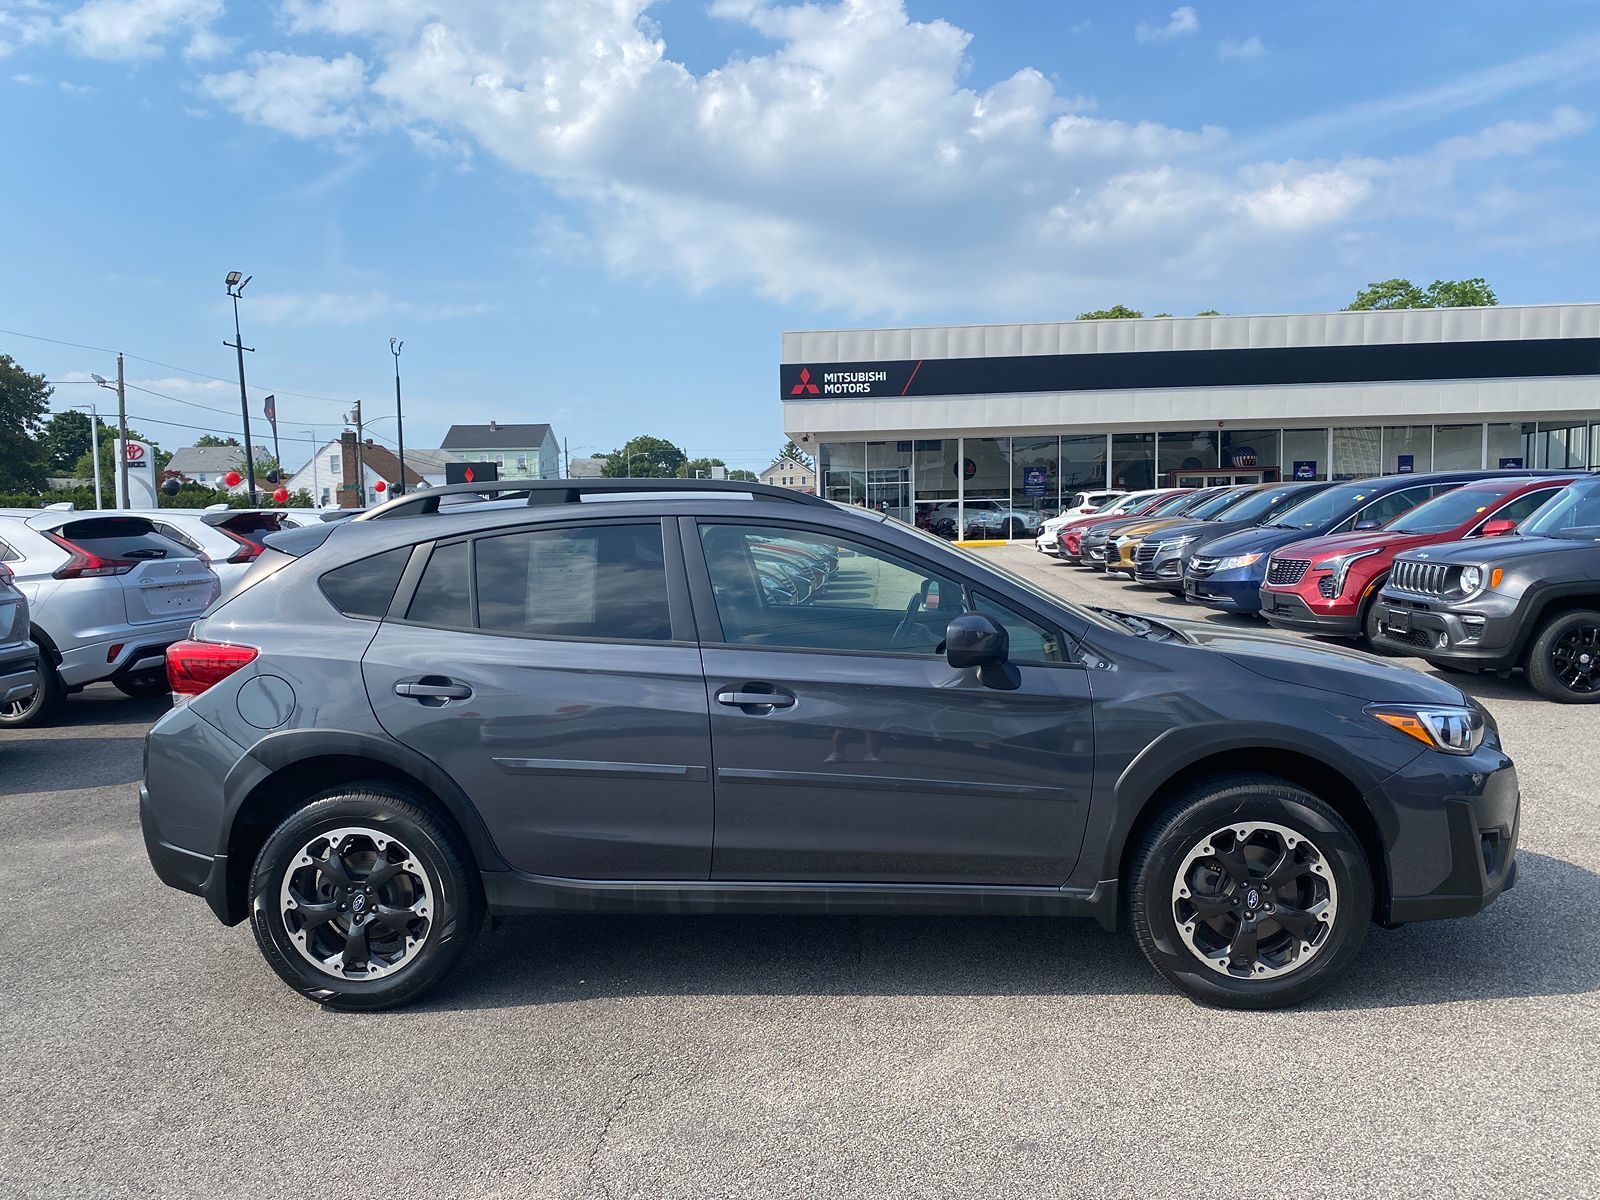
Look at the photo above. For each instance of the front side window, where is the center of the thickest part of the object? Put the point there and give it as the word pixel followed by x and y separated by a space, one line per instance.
pixel 599 581
pixel 1391 506
pixel 1524 507
pixel 1030 642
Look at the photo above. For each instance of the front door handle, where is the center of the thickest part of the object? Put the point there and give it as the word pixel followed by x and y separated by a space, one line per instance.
pixel 767 700
pixel 432 687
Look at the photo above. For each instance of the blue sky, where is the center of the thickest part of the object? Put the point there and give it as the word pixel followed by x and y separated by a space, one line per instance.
pixel 601 213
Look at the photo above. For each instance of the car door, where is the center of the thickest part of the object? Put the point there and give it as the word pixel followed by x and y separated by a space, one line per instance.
pixel 552 673
pixel 847 749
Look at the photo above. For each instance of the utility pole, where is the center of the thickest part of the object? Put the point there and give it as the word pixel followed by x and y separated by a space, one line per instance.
pixel 122 432
pixel 316 485
pixel 395 346
pixel 235 287
pixel 566 454
pixel 361 465
pixel 94 449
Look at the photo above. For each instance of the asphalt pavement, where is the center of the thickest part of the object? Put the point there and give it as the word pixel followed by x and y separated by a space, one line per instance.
pixel 147 1051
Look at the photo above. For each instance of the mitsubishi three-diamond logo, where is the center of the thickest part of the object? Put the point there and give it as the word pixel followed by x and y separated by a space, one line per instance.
pixel 805 387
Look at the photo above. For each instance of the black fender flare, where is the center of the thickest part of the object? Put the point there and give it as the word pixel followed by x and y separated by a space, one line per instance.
pixel 1539 599
pixel 283 749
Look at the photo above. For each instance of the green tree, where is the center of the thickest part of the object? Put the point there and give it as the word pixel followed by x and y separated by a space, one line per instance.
pixel 697 468
pixel 67 438
pixel 644 457
pixel 744 476
pixel 210 439
pixel 1441 293
pixel 24 400
pixel 1208 312
pixel 1115 312
pixel 793 453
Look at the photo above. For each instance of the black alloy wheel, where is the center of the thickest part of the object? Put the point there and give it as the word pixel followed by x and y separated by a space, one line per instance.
pixel 1564 661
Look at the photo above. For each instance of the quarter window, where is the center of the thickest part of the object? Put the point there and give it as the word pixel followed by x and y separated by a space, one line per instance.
pixel 604 581
pixel 1525 506
pixel 365 587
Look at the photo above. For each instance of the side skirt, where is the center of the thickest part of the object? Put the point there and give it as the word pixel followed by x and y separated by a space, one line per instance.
pixel 511 893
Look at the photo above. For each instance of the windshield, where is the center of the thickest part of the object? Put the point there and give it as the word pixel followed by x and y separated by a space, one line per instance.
pixel 1256 505
pixel 1326 506
pixel 1209 508
pixel 1132 502
pixel 1573 514
pixel 1171 505
pixel 1446 512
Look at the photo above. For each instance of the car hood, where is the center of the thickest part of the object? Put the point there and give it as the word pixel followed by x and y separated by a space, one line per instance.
pixel 1257 539
pixel 1334 544
pixel 1145 526
pixel 1302 663
pixel 1499 550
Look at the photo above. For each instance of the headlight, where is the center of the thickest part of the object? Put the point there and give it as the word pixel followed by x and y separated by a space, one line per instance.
pixel 1447 728
pixel 1471 579
pixel 1341 567
pixel 1234 562
pixel 1180 543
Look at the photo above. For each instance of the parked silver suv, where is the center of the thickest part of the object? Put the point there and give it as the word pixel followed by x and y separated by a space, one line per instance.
pixel 107 595
pixel 19 657
pixel 231 538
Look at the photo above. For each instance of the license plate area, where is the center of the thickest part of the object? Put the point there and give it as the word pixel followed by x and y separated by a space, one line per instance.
pixel 1398 620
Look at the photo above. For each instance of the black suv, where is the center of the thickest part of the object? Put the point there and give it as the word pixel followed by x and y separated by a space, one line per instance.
pixel 716 697
pixel 1532 600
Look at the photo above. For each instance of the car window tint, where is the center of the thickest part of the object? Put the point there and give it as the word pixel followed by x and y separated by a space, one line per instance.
pixel 1030 641
pixel 177 535
pixel 1524 507
pixel 813 591
pixel 364 588
pixel 123 537
pixel 443 595
pixel 7 554
pixel 1391 506
pixel 600 581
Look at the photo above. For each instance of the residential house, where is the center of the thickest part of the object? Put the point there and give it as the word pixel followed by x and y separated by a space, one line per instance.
pixel 788 473
pixel 208 465
pixel 323 473
pixel 520 451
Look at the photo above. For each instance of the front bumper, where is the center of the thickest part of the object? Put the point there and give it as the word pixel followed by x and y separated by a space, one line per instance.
pixel 1163 569
pixel 1482 637
pixel 19 675
pixel 1234 591
pixel 1289 610
pixel 1452 847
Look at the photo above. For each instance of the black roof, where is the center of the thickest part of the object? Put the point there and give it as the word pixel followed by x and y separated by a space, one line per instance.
pixel 495 436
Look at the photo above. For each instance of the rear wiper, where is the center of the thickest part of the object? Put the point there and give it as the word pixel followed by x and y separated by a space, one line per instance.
pixel 147 552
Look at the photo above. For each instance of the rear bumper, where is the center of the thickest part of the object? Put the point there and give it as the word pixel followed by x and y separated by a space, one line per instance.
pixel 19 675
pixel 1454 848
pixel 142 648
pixel 1289 610
pixel 203 875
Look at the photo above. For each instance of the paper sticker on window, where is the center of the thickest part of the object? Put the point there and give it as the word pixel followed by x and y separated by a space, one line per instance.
pixel 562 579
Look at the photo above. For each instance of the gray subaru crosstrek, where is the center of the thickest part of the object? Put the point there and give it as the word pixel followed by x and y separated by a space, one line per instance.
pixel 639 696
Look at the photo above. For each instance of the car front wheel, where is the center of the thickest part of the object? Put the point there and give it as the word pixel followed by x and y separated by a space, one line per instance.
pixel 1250 893
pixel 1564 662
pixel 363 899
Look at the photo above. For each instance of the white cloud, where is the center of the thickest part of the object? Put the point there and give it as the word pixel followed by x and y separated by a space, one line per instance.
pixel 349 308
pixel 298 94
pixel 1310 200
pixel 1251 47
pixel 66 85
pixel 133 29
pixel 27 80
pixel 1183 22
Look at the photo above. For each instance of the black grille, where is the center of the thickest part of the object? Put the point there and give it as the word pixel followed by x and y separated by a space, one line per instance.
pixel 1146 554
pixel 1426 578
pixel 1095 553
pixel 1325 587
pixel 1412 637
pixel 1287 570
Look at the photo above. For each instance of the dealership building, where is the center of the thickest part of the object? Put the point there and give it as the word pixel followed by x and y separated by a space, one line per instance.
pixel 943 418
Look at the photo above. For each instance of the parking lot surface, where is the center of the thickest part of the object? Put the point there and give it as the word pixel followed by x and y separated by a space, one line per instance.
pixel 146 1050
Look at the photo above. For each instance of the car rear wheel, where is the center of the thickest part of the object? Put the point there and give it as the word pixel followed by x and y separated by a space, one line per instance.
pixel 1564 663
pixel 43 707
pixel 146 683
pixel 363 899
pixel 1250 892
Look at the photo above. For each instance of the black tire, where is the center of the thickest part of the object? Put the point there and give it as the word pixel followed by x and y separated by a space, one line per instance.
pixel 43 707
pixel 1371 616
pixel 1211 808
pixel 1573 637
pixel 143 685
pixel 454 914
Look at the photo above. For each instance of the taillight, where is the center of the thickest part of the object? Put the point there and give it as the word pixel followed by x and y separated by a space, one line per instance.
pixel 5 572
pixel 248 551
pixel 192 667
pixel 85 563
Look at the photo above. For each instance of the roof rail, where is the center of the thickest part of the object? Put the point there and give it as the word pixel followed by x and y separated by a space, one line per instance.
pixel 571 491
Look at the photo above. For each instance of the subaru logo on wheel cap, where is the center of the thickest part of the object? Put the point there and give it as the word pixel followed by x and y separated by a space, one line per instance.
pixel 1252 899
pixel 358 902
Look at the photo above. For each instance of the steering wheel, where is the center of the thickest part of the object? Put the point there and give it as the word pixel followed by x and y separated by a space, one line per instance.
pixel 911 634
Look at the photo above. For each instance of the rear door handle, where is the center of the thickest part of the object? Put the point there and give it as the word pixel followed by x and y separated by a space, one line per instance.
pixel 432 688
pixel 755 699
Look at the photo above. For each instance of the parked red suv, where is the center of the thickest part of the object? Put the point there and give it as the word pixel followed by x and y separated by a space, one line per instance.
pixel 1326 585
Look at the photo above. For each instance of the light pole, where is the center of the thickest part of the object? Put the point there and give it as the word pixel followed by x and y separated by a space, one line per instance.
pixel 94 443
pixel 395 346
pixel 122 433
pixel 316 449
pixel 236 286
pixel 631 457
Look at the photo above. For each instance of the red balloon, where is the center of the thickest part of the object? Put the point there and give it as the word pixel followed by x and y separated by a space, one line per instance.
pixel 281 495
pixel 380 486
pixel 232 478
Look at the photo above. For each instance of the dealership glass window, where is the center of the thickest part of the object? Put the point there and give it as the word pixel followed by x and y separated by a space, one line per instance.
pixel 1457 447
pixel 1305 454
pixel 1407 448
pixel 1248 449
pixel 1035 478
pixel 1562 445
pixel 888 479
pixel 935 478
pixel 1185 451
pixel 1133 461
pixel 843 467
pixel 1083 461
pixel 1511 446
pixel 1357 452
pixel 986 465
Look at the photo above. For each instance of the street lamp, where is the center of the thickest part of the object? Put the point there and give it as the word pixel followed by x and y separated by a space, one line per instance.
pixel 126 500
pixel 94 442
pixel 236 286
pixel 631 457
pixel 395 346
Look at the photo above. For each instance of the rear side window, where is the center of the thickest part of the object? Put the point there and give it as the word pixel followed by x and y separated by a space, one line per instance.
pixel 122 537
pixel 601 581
pixel 365 587
pixel 443 596
pixel 7 554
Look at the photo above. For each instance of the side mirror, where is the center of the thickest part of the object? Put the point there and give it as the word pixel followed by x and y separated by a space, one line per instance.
pixel 1366 524
pixel 1499 527
pixel 978 640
